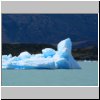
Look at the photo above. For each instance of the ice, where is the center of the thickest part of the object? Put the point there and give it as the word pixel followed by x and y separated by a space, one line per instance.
pixel 24 55
pixel 34 63
pixel 48 59
pixel 38 56
pixel 48 52
pixel 65 44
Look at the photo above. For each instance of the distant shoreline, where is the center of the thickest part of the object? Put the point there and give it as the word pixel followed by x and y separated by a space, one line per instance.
pixel 87 53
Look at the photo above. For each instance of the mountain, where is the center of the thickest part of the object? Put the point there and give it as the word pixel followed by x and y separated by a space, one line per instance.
pixel 50 29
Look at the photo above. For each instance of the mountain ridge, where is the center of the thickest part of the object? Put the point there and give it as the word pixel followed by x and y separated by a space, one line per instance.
pixel 50 28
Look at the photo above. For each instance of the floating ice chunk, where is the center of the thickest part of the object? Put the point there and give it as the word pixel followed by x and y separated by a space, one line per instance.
pixel 48 52
pixel 49 59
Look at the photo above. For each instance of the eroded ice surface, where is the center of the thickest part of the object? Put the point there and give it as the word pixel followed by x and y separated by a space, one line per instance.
pixel 48 59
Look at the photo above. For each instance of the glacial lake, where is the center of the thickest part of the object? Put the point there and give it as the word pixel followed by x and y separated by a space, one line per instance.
pixel 86 76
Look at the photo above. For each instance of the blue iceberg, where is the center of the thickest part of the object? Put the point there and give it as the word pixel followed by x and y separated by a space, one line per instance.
pixel 48 59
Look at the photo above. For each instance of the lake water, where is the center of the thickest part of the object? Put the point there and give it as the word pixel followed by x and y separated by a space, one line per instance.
pixel 86 76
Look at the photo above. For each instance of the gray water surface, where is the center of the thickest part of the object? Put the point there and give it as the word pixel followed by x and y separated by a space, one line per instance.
pixel 86 76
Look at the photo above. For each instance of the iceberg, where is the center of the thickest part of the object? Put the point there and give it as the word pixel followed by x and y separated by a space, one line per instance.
pixel 49 58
